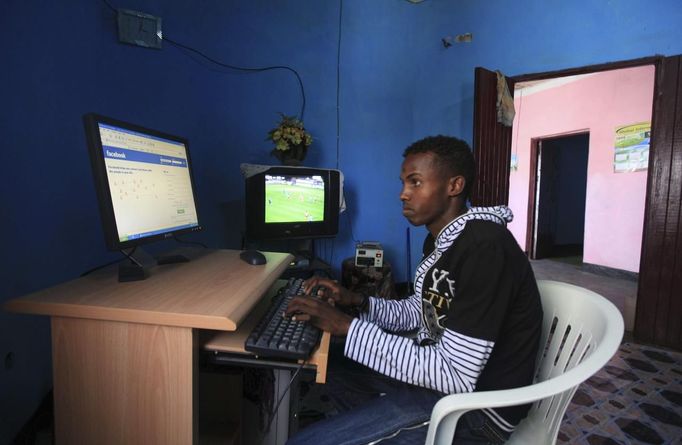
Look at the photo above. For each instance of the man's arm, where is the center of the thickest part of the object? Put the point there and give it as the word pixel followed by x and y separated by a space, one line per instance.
pixel 451 365
pixel 400 315
pixel 455 361
pixel 393 315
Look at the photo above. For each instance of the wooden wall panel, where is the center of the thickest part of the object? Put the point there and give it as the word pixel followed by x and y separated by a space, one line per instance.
pixel 491 145
pixel 659 301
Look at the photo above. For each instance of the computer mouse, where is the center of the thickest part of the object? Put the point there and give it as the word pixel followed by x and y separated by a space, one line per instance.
pixel 253 257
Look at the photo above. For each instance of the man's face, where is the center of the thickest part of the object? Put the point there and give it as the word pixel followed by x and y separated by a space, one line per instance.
pixel 426 192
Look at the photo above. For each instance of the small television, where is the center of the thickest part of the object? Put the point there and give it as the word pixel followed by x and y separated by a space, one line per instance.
pixel 285 202
pixel 144 182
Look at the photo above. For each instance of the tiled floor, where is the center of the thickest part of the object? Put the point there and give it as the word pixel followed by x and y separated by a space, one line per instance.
pixel 637 397
pixel 621 292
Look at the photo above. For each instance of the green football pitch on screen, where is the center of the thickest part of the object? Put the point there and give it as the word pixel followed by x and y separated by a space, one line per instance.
pixel 293 203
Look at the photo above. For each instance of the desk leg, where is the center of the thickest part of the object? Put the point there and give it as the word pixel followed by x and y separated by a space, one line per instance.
pixel 117 382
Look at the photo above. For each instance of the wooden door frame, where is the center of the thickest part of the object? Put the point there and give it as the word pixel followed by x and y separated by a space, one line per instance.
pixel 653 60
pixel 532 190
pixel 659 293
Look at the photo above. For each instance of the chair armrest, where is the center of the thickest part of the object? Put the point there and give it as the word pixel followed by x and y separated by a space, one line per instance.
pixel 448 409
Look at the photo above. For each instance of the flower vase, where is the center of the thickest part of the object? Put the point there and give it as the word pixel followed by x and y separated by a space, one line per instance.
pixel 294 156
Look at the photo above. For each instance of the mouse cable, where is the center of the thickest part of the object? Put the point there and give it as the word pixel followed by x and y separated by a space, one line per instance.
pixel 286 390
pixel 102 266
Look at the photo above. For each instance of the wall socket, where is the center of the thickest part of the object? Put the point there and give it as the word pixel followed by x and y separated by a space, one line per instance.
pixel 140 29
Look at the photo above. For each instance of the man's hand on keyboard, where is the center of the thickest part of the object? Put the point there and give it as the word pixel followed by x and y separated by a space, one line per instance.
pixel 319 313
pixel 331 290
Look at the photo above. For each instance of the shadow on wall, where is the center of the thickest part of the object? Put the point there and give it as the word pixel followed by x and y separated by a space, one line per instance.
pixel 234 216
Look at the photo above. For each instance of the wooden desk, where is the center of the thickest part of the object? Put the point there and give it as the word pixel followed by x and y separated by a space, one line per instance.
pixel 125 354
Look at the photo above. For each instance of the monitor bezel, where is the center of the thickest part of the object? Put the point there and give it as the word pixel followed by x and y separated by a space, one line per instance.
pixel 91 122
pixel 258 229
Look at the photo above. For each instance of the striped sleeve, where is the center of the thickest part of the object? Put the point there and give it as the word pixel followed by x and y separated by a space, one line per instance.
pixel 394 315
pixel 452 365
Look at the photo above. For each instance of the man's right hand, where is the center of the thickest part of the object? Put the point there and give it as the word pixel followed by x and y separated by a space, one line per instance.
pixel 332 291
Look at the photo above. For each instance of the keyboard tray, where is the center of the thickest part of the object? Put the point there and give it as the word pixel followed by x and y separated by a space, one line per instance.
pixel 277 336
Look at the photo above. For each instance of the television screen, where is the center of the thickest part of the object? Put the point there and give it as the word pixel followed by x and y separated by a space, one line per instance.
pixel 294 198
pixel 292 202
pixel 144 182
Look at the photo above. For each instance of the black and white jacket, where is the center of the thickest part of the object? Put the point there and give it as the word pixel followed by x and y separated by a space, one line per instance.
pixel 477 310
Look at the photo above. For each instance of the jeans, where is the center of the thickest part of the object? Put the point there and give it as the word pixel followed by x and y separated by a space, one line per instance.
pixel 374 408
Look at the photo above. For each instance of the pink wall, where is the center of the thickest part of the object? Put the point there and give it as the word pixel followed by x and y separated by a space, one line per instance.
pixel 598 103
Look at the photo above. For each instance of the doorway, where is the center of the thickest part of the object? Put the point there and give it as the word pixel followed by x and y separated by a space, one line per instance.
pixel 560 122
pixel 658 304
pixel 557 226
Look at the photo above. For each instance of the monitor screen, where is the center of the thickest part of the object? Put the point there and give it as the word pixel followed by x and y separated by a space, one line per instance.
pixel 144 182
pixel 292 202
pixel 291 199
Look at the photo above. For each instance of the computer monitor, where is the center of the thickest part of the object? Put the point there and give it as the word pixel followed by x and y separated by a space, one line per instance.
pixel 292 202
pixel 143 180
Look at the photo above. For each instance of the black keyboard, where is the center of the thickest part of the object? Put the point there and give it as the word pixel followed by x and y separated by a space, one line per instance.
pixel 277 336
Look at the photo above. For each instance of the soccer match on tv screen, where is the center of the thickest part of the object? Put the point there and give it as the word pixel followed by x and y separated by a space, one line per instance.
pixel 294 199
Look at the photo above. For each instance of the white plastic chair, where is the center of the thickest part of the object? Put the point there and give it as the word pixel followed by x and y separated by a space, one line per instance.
pixel 588 331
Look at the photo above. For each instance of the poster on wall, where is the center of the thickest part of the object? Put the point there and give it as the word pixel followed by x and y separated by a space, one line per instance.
pixel 632 147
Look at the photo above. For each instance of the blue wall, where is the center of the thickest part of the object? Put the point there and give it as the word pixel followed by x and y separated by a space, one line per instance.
pixel 397 84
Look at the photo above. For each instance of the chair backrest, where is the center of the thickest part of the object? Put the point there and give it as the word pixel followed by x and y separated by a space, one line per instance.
pixel 581 331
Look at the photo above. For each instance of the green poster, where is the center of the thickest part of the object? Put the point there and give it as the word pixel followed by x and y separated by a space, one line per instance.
pixel 632 147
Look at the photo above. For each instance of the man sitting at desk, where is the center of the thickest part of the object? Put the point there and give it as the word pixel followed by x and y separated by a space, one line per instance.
pixel 476 309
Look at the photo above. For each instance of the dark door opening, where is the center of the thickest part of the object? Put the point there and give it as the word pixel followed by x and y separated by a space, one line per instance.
pixel 558 223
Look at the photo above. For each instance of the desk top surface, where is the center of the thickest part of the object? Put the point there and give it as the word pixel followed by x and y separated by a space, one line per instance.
pixel 215 290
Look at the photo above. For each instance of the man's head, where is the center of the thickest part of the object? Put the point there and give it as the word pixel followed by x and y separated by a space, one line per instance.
pixel 453 155
pixel 437 175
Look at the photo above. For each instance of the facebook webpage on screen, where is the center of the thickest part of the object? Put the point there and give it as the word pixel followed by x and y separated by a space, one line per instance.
pixel 149 182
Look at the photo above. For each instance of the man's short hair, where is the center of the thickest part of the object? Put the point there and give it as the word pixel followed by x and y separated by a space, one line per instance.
pixel 454 156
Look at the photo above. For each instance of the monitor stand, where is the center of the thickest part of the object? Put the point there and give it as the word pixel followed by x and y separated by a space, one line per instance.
pixel 171 259
pixel 138 262
pixel 136 265
pixel 130 271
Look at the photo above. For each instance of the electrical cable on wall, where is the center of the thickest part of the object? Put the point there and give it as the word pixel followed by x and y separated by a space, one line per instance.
pixel 350 224
pixel 239 68
pixel 338 105
pixel 234 67
pixel 338 87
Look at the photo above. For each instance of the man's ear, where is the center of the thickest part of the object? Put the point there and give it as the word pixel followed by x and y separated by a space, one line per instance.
pixel 456 185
